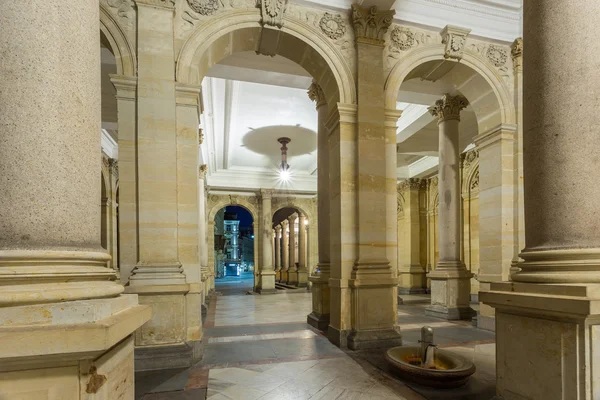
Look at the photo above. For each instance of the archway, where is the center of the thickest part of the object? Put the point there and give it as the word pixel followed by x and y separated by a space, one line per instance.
pixel 487 124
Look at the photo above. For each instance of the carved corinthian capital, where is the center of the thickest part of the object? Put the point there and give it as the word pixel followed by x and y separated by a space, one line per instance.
pixel 455 39
pixel 370 24
pixel 315 93
pixel 272 12
pixel 516 51
pixel 448 108
pixel 202 171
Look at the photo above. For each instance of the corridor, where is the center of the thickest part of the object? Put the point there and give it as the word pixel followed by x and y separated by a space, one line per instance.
pixel 260 347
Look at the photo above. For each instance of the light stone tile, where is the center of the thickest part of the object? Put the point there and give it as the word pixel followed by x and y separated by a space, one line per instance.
pixel 243 392
pixel 291 369
pixel 232 375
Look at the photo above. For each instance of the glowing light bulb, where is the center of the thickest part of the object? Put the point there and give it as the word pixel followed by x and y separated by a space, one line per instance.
pixel 284 175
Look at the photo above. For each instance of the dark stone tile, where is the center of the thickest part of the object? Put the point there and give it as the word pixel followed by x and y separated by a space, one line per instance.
pixel 415 319
pixel 237 352
pixel 196 394
pixel 276 328
pixel 149 381
pixel 232 331
pixel 290 348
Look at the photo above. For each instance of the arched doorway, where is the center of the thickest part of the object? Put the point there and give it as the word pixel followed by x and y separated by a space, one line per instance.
pixel 233 250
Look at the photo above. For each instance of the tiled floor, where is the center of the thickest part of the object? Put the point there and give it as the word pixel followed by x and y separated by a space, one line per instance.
pixel 260 347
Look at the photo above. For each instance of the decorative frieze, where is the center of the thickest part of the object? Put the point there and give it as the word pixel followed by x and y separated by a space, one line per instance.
pixel 333 26
pixel 272 12
pixel 475 181
pixel 370 24
pixel 113 167
pixel 448 107
pixel 455 39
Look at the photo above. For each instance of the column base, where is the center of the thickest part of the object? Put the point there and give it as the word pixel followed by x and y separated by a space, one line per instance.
pixel 182 355
pixel 402 290
pixel 450 313
pixel 338 337
pixel 547 340
pixel 292 278
pixel 303 278
pixel 267 283
pixel 374 339
pixel 320 322
pixel 486 323
pixel 450 292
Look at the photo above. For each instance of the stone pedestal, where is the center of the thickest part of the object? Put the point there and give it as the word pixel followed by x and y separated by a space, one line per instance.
pixel 450 281
pixel 66 331
pixel 546 340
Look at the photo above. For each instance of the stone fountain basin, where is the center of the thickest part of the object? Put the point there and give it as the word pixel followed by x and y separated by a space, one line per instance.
pixel 451 370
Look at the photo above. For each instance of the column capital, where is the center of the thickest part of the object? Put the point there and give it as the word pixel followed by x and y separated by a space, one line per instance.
pixel 284 223
pixel 292 218
pixel 455 39
pixel 266 193
pixel 278 229
pixel 316 94
pixel 125 86
pixel 448 107
pixel 516 51
pixel 412 184
pixel 202 170
pixel 370 24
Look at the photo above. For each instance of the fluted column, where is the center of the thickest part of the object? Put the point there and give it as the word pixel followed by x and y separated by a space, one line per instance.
pixel 547 319
pixel 319 317
pixel 278 252
pixel 50 171
pixel 285 251
pixel 267 274
pixel 293 268
pixel 302 268
pixel 450 281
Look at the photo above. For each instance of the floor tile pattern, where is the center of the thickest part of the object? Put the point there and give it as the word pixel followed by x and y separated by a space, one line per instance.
pixel 260 347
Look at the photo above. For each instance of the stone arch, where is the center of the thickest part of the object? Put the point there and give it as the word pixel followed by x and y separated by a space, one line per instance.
pixel 435 52
pixel 121 46
pixel 292 204
pixel 471 174
pixel 225 202
pixel 239 30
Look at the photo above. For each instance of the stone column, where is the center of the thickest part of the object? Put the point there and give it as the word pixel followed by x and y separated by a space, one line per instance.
pixel 302 269
pixel 373 276
pixel 126 87
pixel 202 237
pixel 411 274
pixel 159 277
pixel 450 281
pixel 62 314
pixel 319 317
pixel 278 252
pixel 267 275
pixel 548 318
pixel 292 267
pixel 285 251
pixel 273 252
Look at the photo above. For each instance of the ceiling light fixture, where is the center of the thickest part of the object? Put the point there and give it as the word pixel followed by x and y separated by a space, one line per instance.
pixel 284 169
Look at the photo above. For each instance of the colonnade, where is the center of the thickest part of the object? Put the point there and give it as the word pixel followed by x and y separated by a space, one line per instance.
pixel 291 250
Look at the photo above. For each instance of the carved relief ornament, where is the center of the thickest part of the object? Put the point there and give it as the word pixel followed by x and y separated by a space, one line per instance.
pixel 333 26
pixel 448 107
pixel 316 94
pixel 272 12
pixel 370 24
pixel 202 170
pixel 516 51
pixel 159 3
pixel 402 38
pixel 469 158
pixel 497 55
pixel 205 7
pixel 455 39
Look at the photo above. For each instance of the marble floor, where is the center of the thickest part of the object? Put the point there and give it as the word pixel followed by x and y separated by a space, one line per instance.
pixel 260 347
